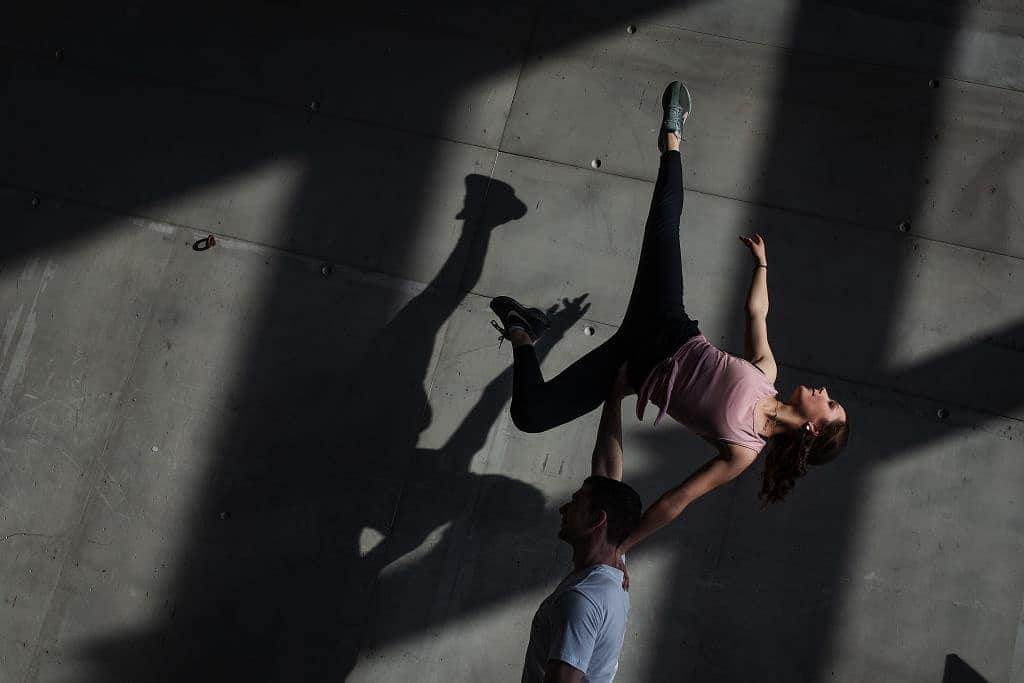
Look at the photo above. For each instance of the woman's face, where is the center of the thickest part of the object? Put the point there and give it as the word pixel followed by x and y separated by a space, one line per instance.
pixel 816 405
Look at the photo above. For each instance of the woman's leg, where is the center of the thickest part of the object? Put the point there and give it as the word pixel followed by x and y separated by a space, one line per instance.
pixel 656 305
pixel 657 294
pixel 537 406
pixel 656 318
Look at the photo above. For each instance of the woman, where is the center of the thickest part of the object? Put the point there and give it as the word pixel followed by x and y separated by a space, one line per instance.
pixel 660 353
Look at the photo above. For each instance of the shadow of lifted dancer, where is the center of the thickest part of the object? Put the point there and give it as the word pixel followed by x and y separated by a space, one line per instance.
pixel 439 488
pixel 487 514
pixel 660 353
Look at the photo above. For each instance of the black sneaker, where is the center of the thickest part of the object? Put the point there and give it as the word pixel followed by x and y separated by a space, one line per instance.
pixel 533 321
pixel 676 103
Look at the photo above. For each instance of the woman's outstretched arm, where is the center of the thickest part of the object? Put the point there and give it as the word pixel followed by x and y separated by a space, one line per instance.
pixel 757 296
pixel 721 469
pixel 756 347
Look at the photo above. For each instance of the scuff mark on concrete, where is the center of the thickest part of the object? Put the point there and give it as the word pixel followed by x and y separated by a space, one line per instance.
pixel 9 327
pixel 29 533
pixel 47 402
pixel 1017 663
pixel 109 505
pixel 155 226
pixel 22 350
pixel 19 363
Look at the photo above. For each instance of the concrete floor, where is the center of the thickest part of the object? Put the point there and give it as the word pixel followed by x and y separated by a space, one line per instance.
pixel 233 464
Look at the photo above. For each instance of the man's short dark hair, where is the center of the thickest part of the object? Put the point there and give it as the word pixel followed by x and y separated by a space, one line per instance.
pixel 620 503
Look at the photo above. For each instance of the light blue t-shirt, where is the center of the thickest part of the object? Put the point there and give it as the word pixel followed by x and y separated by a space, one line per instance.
pixel 582 623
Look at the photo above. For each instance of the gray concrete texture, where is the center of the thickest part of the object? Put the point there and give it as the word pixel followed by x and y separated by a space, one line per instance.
pixel 231 464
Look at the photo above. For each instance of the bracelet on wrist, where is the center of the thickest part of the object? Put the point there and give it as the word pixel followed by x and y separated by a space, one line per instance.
pixel 761 265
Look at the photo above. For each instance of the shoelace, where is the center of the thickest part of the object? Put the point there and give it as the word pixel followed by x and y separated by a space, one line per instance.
pixel 672 109
pixel 503 331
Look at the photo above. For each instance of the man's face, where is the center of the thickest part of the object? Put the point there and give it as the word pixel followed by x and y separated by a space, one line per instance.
pixel 577 519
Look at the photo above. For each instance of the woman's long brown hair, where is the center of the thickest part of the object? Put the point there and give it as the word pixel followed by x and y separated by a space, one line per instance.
pixel 787 456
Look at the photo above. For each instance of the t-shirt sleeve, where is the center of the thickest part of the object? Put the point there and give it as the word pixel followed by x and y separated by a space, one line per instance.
pixel 575 624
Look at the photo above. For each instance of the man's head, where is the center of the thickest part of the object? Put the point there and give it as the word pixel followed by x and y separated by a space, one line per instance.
pixel 602 507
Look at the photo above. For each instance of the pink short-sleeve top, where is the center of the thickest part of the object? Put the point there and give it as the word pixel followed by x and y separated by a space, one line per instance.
pixel 708 390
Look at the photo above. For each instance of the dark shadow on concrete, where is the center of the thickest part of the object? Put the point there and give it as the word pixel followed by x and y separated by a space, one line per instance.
pixel 987 358
pixel 496 523
pixel 987 200
pixel 959 671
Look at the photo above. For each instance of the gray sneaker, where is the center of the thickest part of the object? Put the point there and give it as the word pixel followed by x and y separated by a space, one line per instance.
pixel 676 103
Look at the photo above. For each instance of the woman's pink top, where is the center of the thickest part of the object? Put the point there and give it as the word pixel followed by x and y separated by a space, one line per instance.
pixel 708 390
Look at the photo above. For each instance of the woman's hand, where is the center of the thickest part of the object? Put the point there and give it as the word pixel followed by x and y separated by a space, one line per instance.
pixel 756 245
pixel 620 563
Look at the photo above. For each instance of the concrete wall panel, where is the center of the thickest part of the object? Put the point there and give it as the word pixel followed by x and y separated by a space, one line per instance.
pixel 863 144
pixel 984 39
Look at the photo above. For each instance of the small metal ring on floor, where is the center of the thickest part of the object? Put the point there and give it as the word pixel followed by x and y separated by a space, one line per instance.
pixel 204 243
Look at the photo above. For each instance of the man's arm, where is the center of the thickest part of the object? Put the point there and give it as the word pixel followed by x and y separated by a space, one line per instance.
pixel 576 621
pixel 559 672
pixel 607 458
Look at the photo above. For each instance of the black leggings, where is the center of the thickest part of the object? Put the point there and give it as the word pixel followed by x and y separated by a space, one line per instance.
pixel 654 326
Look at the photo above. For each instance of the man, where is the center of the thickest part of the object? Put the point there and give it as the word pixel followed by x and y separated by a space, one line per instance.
pixel 578 630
